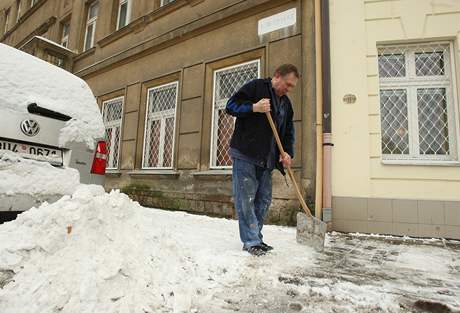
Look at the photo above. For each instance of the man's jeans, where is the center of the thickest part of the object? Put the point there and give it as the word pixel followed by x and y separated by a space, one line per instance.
pixel 252 192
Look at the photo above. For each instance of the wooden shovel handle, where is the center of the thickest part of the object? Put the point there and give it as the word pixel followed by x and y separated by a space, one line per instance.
pixel 289 170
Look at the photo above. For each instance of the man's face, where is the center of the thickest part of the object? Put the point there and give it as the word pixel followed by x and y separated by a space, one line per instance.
pixel 284 84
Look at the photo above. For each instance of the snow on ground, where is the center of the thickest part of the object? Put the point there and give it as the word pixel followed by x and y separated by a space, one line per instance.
pixel 100 252
pixel 23 176
pixel 27 79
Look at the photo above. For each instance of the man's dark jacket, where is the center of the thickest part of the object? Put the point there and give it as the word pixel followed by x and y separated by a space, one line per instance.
pixel 253 135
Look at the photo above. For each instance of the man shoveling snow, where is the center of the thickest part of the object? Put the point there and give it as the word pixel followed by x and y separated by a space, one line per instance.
pixel 254 152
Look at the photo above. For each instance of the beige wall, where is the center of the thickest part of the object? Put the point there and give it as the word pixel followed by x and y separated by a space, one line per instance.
pixel 365 190
pixel 357 27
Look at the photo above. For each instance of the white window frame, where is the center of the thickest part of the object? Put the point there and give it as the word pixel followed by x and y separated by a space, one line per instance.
pixel 113 125
pixel 7 19
pixel 128 13
pixel 214 135
pixel 411 82
pixel 18 15
pixel 163 2
pixel 89 22
pixel 65 38
pixel 146 144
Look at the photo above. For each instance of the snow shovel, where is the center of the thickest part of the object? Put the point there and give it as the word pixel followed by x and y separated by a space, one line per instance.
pixel 310 230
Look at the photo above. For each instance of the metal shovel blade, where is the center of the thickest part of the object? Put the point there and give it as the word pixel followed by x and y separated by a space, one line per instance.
pixel 311 231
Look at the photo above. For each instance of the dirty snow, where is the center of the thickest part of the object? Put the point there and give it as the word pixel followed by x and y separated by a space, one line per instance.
pixel 27 79
pixel 23 176
pixel 100 252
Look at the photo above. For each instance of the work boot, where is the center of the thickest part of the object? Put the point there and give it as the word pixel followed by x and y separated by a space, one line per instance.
pixel 266 247
pixel 256 250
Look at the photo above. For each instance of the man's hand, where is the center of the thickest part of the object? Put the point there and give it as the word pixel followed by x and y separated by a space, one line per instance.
pixel 286 160
pixel 262 106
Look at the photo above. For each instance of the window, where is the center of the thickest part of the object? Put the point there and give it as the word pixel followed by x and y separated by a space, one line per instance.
pixel 160 126
pixel 7 20
pixel 65 34
pixel 55 59
pixel 112 112
pixel 226 82
pixel 124 13
pixel 91 25
pixel 165 2
pixel 418 116
pixel 18 15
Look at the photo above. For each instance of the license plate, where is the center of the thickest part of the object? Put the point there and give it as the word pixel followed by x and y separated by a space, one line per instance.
pixel 39 153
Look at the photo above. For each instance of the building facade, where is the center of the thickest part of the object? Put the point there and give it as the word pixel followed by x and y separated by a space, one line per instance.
pixel 395 116
pixel 162 72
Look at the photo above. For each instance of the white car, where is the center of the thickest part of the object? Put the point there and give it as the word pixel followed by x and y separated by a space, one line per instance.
pixel 49 115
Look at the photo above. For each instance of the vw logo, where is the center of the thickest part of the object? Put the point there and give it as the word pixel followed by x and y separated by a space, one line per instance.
pixel 30 127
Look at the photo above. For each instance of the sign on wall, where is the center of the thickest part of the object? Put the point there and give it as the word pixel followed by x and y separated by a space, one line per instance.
pixel 277 21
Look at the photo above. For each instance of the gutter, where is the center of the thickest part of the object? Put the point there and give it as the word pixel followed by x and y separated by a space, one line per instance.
pixel 323 195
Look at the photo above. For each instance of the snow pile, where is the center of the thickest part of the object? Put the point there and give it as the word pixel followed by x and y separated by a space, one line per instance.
pixel 23 176
pixel 27 79
pixel 98 252
pixel 51 42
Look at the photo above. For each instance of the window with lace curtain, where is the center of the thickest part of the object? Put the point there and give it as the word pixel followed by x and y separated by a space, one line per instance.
pixel 418 106
pixel 112 114
pixel 160 126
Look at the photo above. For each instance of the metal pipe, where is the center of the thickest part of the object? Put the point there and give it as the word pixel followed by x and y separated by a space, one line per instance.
pixel 327 132
pixel 308 108
pixel 327 175
pixel 319 112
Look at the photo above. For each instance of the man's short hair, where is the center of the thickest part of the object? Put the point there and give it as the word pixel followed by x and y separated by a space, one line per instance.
pixel 285 69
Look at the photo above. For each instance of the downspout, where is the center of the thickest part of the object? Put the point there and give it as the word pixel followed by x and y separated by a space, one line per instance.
pixel 327 131
pixel 323 196
pixel 308 146
pixel 319 112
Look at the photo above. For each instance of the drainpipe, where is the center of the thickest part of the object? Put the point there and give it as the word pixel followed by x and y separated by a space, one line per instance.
pixel 319 112
pixel 323 197
pixel 308 146
pixel 327 131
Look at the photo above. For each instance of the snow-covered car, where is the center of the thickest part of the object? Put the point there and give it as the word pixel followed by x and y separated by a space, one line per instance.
pixel 47 115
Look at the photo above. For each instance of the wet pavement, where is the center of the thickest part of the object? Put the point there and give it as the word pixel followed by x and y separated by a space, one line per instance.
pixel 356 273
